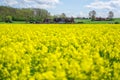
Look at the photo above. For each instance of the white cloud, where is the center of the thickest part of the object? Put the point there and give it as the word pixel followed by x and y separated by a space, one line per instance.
pixel 31 3
pixel 11 2
pixel 110 5
pixel 105 5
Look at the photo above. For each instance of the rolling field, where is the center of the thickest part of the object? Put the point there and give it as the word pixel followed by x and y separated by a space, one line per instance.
pixel 59 52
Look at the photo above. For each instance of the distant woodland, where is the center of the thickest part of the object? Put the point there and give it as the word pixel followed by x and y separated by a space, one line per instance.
pixel 24 14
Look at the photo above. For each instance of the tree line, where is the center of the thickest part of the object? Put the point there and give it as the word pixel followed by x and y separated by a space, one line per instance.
pixel 36 15
pixel 92 16
pixel 24 14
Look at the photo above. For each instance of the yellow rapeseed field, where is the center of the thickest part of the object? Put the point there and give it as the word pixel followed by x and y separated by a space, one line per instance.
pixel 59 52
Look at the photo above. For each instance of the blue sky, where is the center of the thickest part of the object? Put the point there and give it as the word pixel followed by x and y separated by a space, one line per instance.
pixel 72 7
pixel 79 8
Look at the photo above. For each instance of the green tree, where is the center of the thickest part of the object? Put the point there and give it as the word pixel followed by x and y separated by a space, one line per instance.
pixel 23 14
pixel 8 19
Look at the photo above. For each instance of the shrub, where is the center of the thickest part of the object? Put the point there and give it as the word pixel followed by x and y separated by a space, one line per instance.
pixel 8 19
pixel 80 22
pixel 116 22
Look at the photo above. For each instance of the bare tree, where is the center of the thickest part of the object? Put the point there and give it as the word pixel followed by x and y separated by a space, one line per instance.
pixel 92 15
pixel 110 15
pixel 63 15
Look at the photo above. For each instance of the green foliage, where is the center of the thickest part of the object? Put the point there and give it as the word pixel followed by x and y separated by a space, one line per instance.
pixel 8 19
pixel 116 22
pixel 23 14
pixel 88 21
